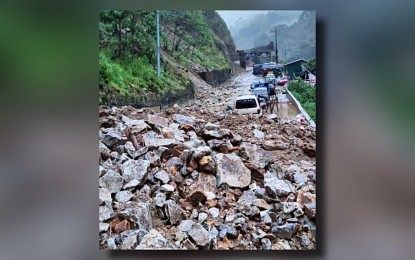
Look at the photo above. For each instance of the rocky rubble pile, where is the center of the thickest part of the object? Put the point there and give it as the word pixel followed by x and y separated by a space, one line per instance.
pixel 190 179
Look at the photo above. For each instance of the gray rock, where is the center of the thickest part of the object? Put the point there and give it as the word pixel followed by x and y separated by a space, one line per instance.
pixel 213 232
pixel 200 235
pixel 285 231
pixel 186 225
pixel 306 242
pixel 275 186
pixel 111 138
pixel 167 188
pixel 202 217
pixel 163 176
pixel 173 211
pixel 135 169
pixel 140 152
pixel 260 203
pixel 310 210
pixel 138 212
pixel 189 245
pixel 214 212
pixel 266 244
pixel 111 243
pixel 231 232
pixel 183 120
pixel 103 227
pixel 133 232
pixel 160 199
pixel 200 151
pixel 112 181
pixel 153 158
pixel 104 197
pixel 136 126
pixel 259 134
pixel 274 145
pixel 158 120
pixel 129 243
pixel 132 184
pixel 124 196
pixel 232 171
pixel 289 207
pixel 212 127
pixel 105 213
pixel 153 142
pixel 210 195
pixel 265 218
pixel 154 240
pixel 129 148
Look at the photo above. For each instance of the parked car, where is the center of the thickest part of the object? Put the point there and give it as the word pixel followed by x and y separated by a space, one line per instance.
pixel 247 104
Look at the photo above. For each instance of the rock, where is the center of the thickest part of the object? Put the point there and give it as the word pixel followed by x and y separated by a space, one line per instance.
pixel 300 143
pixel 140 152
pixel 310 210
pixel 163 176
pixel 103 227
pixel 154 240
pixel 153 158
pixel 104 197
pixel 167 188
pixel 186 225
pixel 222 245
pixel 200 151
pixel 202 217
pixel 132 184
pixel 189 245
pixel 285 231
pixel 122 226
pixel 158 120
pixel 136 126
pixel 183 120
pixel 123 196
pixel 112 181
pixel 259 134
pixel 212 127
pixel 231 232
pixel 104 151
pixel 139 213
pixel 111 138
pixel 214 212
pixel 135 169
pixel 199 235
pixel 207 165
pixel 173 211
pixel 265 217
pixel 274 186
pixel 105 213
pixel 272 117
pixel 111 243
pixel 153 142
pixel 260 203
pixel 197 197
pixel 306 242
pixel 309 149
pixel 129 243
pixel 129 148
pixel 160 199
pixel 274 145
pixel 266 244
pixel 289 207
pixel 305 197
pixel 205 160
pixel 232 171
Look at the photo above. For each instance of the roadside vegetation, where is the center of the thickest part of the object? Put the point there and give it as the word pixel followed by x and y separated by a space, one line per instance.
pixel 127 50
pixel 305 94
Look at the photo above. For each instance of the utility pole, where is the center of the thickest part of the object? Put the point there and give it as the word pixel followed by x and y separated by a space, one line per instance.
pixel 276 45
pixel 158 46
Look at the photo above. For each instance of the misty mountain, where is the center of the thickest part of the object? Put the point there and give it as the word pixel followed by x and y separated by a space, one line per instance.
pixel 296 33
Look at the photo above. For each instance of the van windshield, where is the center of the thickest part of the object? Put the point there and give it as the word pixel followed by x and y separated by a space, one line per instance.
pixel 245 103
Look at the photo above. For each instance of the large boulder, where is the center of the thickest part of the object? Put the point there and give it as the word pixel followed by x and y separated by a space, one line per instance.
pixel 232 171
pixel 112 181
pixel 135 169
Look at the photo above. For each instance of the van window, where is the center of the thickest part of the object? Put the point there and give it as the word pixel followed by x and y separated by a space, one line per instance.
pixel 245 103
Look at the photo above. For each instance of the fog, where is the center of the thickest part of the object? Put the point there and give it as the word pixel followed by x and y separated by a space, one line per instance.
pixel 231 16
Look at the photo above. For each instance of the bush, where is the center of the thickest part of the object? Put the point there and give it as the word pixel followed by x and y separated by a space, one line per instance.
pixel 305 94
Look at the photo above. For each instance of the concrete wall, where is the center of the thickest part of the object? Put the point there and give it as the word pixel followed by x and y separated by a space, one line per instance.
pixel 216 77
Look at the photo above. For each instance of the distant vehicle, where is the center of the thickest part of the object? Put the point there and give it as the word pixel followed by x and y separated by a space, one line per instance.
pixel 282 80
pixel 261 92
pixel 247 104
pixel 271 68
pixel 270 78
pixel 257 69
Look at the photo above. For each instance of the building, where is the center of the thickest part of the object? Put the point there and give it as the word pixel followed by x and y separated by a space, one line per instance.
pixel 294 68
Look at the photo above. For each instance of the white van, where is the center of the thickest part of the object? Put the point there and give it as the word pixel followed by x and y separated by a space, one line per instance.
pixel 247 104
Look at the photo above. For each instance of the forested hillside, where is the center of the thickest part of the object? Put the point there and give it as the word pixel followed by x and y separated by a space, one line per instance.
pixel 127 50
pixel 296 33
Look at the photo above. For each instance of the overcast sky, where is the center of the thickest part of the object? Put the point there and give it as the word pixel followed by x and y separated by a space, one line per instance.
pixel 231 16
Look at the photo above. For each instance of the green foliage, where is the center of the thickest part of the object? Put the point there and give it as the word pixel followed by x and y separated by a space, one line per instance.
pixel 305 94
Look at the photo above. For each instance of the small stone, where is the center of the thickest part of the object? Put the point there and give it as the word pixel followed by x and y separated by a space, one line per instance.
pixel 160 199
pixel 163 176
pixel 154 240
pixel 232 233
pixel 167 188
pixel 158 120
pixel 105 213
pixel 122 226
pixel 202 217
pixel 310 210
pixel 123 196
pixel 210 195
pixel 173 211
pixel 266 244
pixel 186 225
pixel 285 231
pixel 289 207
pixel 260 203
pixel 214 212
pixel 200 235
pixel 212 127
pixel 129 148
pixel 259 134
pixel 112 181
pixel 104 197
pixel 103 227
